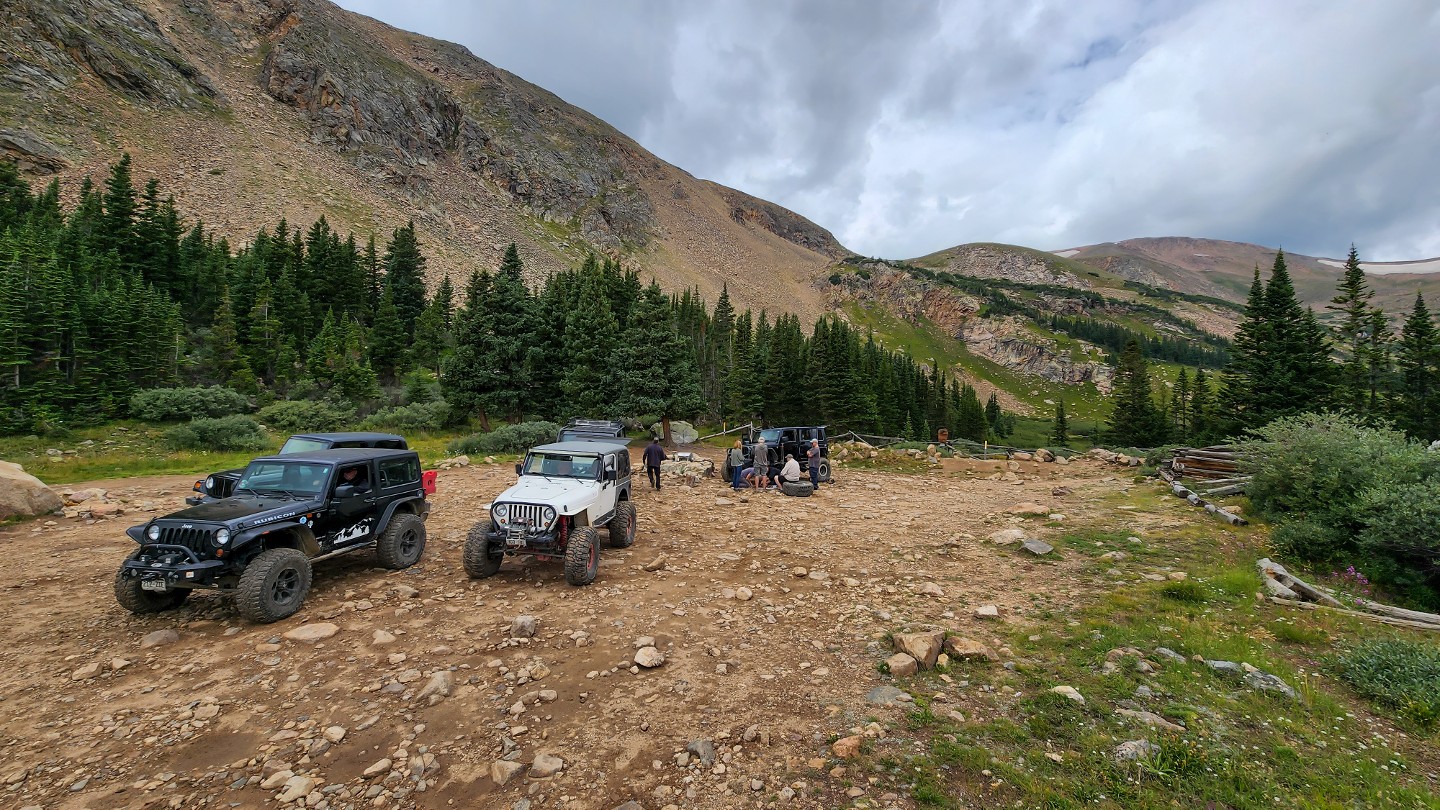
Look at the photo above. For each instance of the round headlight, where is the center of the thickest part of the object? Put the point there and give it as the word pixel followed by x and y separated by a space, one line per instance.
pixel 222 537
pixel 500 512
pixel 153 532
pixel 548 515
pixel 210 484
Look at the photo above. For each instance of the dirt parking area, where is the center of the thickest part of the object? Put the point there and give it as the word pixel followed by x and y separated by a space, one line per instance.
pixel 771 613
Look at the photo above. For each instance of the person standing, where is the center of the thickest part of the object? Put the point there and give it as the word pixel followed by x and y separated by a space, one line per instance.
pixel 812 457
pixel 654 454
pixel 737 464
pixel 762 453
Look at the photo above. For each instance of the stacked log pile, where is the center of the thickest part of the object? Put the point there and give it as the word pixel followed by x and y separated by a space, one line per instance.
pixel 1207 463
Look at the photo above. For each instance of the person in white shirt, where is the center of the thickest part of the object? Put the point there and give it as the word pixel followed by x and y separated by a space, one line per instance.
pixel 791 471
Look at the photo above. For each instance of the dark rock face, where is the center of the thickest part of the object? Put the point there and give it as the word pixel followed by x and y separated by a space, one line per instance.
pixel 442 103
pixel 49 45
pixel 782 222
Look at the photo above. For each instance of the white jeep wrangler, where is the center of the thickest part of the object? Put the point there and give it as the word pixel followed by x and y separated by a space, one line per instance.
pixel 566 491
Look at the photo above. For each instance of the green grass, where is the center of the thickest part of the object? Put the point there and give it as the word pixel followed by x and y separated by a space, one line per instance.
pixel 1397 674
pixel 1240 748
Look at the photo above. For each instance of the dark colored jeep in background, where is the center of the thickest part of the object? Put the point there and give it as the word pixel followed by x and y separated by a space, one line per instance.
pixel 287 512
pixel 219 485
pixel 783 441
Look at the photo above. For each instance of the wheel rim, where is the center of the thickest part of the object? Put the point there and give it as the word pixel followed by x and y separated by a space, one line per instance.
pixel 286 586
pixel 409 544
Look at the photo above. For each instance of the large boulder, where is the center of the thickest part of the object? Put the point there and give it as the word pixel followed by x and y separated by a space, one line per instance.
pixel 24 495
pixel 680 432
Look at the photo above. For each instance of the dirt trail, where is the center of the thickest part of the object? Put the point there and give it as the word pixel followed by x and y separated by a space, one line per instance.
pixel 205 719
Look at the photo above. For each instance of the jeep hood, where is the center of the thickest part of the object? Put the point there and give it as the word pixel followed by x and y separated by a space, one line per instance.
pixel 567 495
pixel 232 509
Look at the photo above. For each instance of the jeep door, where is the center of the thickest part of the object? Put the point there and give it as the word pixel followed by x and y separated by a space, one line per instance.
pixel 351 516
pixel 609 472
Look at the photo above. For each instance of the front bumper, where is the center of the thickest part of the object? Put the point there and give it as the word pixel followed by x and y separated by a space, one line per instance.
pixel 521 538
pixel 174 566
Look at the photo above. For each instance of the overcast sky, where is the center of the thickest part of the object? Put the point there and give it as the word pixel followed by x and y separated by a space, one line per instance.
pixel 907 126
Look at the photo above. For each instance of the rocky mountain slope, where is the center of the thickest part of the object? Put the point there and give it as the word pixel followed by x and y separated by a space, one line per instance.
pixel 248 110
pixel 1224 270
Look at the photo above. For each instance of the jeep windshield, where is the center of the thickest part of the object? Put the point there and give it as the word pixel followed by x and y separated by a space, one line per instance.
pixel 771 436
pixel 300 444
pixel 562 465
pixel 297 479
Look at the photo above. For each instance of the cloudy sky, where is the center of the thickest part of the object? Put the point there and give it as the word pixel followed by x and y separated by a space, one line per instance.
pixel 908 126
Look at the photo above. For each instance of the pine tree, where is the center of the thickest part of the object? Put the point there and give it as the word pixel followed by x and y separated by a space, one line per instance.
pixel 587 386
pixel 971 421
pixel 1060 430
pixel 1418 400
pixel 992 410
pixel 1378 363
pixel 1179 411
pixel 656 368
pixel 223 345
pixel 1135 420
pixel 265 336
pixel 1202 409
pixel 118 222
pixel 405 276
pixel 497 337
pixel 1352 302
pixel 388 342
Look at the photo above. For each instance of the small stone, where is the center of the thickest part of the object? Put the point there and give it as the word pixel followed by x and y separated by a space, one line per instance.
pixel 296 787
pixel 503 771
pixel 902 665
pixel 1037 547
pixel 847 747
pixel 440 685
pixel 1176 576
pixel 1132 750
pixel 886 695
pixel 923 647
pixel 1069 692
pixel 159 638
pixel 207 712
pixel 1007 536
pixel 522 627
pixel 968 649
pixel 86 672
pixel 744 594
pixel 987 612
pixel 656 564
pixel 546 765
pixel 382 638
pixel 311 633
pixel 383 766
pixel 1028 508
pixel 704 750
pixel 276 779
pixel 334 734
pixel 1150 719
pixel 799 571
pixel 649 657
pixel 931 589
pixel 117 664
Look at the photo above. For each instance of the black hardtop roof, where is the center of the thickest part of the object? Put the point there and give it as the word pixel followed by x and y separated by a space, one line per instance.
pixel 596 446
pixel 339 455
pixel 350 437
pixel 794 427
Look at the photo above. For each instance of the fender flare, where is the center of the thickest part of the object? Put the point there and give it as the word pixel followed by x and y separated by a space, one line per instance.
pixel 384 523
pixel 303 533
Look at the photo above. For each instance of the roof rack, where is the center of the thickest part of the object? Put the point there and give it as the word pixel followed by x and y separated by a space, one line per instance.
pixel 592 429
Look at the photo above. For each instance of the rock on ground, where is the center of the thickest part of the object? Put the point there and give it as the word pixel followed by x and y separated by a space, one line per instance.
pixel 24 495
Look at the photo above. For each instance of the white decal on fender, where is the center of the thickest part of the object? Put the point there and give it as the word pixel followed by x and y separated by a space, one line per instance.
pixel 359 530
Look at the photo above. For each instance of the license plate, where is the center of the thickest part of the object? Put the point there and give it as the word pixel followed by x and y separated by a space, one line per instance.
pixel 154 585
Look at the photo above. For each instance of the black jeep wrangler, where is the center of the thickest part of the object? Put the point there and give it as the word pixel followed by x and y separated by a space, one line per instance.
pixel 566 492
pixel 784 441
pixel 219 485
pixel 287 512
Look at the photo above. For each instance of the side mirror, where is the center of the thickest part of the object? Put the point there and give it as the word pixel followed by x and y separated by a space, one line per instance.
pixel 612 474
pixel 346 491
pixel 519 469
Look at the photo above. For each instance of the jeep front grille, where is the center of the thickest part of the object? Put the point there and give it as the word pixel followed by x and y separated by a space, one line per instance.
pixel 197 540
pixel 527 514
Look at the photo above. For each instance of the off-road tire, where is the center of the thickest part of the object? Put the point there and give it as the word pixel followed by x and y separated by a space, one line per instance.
pixel 582 556
pixel 402 543
pixel 274 585
pixel 726 470
pixel 140 602
pixel 622 525
pixel 825 470
pixel 797 489
pixel 479 563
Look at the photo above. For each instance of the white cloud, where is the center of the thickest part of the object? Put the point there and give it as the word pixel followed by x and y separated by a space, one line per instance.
pixel 907 127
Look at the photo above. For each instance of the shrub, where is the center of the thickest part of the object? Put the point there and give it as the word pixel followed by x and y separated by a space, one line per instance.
pixel 1400 675
pixel 1315 466
pixel 226 433
pixel 505 439
pixel 306 416
pixel 1399 523
pixel 175 404
pixel 402 418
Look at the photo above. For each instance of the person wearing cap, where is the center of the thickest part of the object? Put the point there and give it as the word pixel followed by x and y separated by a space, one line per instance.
pixel 812 457
pixel 654 454
pixel 790 473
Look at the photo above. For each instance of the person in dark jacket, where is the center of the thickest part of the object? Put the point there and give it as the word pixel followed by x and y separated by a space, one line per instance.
pixel 654 454
pixel 813 459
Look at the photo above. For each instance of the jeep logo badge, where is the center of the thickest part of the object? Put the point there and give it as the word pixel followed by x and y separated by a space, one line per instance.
pixel 186 526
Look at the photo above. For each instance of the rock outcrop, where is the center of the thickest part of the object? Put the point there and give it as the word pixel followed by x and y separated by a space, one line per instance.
pixel 24 495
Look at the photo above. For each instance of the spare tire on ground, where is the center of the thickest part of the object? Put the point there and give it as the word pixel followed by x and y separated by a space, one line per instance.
pixel 798 489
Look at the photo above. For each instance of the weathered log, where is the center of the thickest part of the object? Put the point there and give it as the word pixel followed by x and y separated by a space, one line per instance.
pixel 1400 613
pixel 1229 517
pixel 1211 455
pixel 1276 571
pixel 1220 492
pixel 1243 479
pixel 1370 617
